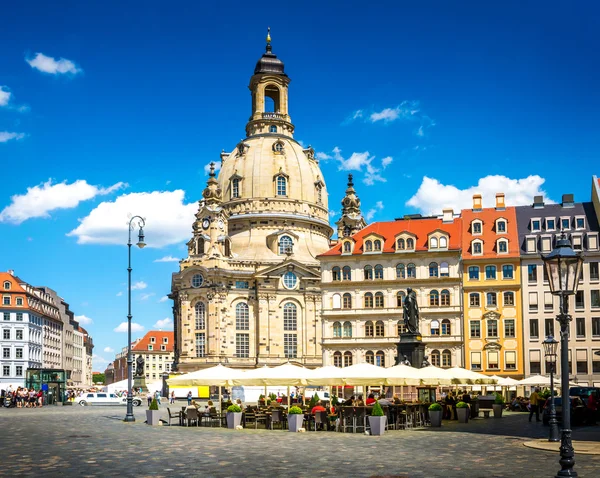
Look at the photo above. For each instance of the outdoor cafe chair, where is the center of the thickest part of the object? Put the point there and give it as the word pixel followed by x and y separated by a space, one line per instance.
pixel 173 415
pixel 360 419
pixel 277 417
pixel 191 416
pixel 321 418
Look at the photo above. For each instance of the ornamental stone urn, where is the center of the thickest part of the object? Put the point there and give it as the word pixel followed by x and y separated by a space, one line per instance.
pixel 462 414
pixel 435 417
pixel 377 425
pixel 497 410
pixel 295 421
pixel 234 419
pixel 153 417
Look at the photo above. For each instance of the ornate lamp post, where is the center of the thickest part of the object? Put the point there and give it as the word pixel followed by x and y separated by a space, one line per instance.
pixel 563 266
pixel 141 244
pixel 550 347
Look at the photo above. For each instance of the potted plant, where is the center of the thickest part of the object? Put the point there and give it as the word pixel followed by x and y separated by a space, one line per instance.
pixel 295 418
pixel 435 414
pixel 377 420
pixel 261 400
pixel 462 412
pixel 313 401
pixel 234 416
pixel 498 405
pixel 152 414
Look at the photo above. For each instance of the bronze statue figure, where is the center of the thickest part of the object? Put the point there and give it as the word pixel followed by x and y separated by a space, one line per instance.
pixel 411 312
pixel 139 366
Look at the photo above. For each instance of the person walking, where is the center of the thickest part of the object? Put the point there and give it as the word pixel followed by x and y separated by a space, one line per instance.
pixel 592 409
pixel 149 397
pixel 157 396
pixel 189 398
pixel 172 400
pixel 534 402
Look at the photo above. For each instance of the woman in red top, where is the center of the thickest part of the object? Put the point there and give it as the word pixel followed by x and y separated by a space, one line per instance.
pixel 370 400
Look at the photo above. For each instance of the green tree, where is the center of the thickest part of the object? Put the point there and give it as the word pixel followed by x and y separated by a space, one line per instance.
pixel 98 378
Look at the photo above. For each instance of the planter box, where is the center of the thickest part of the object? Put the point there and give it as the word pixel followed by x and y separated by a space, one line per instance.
pixel 497 410
pixel 295 422
pixel 435 417
pixel 153 417
pixel 377 425
pixel 463 415
pixel 234 419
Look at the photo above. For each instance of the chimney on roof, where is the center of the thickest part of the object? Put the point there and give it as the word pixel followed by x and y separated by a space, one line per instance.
pixel 568 200
pixel 500 201
pixel 538 202
pixel 448 215
pixel 477 202
pixel 11 272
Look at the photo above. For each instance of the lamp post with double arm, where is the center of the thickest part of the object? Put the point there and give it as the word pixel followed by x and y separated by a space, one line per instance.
pixel 550 347
pixel 563 266
pixel 141 244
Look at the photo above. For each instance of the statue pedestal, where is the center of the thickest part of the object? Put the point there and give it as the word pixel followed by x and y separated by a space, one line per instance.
pixel 139 382
pixel 413 347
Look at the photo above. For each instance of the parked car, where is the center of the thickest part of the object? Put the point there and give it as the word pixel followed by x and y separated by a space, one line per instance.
pixel 104 398
pixel 578 411
pixel 584 392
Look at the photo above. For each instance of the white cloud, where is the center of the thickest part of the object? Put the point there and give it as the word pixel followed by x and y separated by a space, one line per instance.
pixel 119 294
pixel 371 212
pixel 146 296
pixel 83 320
pixel 322 156
pixel 432 196
pixel 135 328
pixel 405 110
pixel 98 361
pixel 359 162
pixel 333 213
pixel 164 298
pixel 47 64
pixel 6 136
pixel 168 219
pixel 167 259
pixel 379 205
pixel 140 285
pixel 4 96
pixel 40 200
pixel 217 165
pixel 166 323
pixel 108 350
pixel 385 162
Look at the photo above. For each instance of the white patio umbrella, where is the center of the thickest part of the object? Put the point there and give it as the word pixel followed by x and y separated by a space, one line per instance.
pixel 539 381
pixel 218 376
pixel 403 375
pixel 505 381
pixel 328 375
pixel 364 374
pixel 432 375
pixel 468 377
pixel 282 375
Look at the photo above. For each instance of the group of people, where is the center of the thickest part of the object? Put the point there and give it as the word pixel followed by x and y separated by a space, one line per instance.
pixel 23 397
pixel 150 395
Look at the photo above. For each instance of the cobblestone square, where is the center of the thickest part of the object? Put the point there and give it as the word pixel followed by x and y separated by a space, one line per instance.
pixel 93 441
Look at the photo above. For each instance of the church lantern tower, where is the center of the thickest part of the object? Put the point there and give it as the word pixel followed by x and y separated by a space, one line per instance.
pixel 352 219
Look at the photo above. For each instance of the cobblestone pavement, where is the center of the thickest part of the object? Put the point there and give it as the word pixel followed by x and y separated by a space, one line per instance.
pixel 93 441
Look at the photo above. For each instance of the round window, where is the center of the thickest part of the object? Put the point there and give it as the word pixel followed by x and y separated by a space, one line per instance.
pixel 290 280
pixel 197 280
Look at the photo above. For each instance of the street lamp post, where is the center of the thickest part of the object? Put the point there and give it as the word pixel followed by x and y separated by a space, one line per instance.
pixel 550 347
pixel 563 267
pixel 141 244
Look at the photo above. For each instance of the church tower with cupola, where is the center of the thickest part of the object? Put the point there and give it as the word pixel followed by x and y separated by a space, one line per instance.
pixel 352 219
pixel 248 294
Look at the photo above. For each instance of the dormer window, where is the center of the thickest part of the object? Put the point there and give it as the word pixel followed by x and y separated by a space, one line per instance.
pixel 150 347
pixel 579 222
pixel 433 243
pixel 550 224
pixel 165 340
pixel 501 226
pixel 368 246
pixel 536 225
pixel 476 227
pixel 410 244
pixel 19 301
pixel 152 340
pixel 443 242
pixel 163 348
pixel 502 246
pixel 476 248
pixel 401 244
pixel 7 285
pixel 377 245
pixel 565 223
pixel 286 245
pixel 347 247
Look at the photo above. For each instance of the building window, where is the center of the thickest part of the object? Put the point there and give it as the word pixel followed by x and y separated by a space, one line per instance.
pixel 370 357
pixel 401 327
pixel 19 301
pixel 594 275
pixel 493 360
pixel 336 274
pixel 242 284
pixel 368 300
pixel 579 223
pixel 347 247
pixel 347 301
pixel 6 370
pixel 532 273
pixel 579 300
pixel 290 345
pixel 443 242
pixel 346 273
pixel 410 244
pixel 474 299
pixel 235 188
pixel 536 225
pixel 582 367
pixel 411 271
pixel 444 270
pixel 400 245
pixel 369 329
pixel 474 329
pixel 445 297
pixel 565 223
pixel 19 370
pixel 490 272
pixel 580 327
pixel 435 327
pixel 6 334
pixel 347 329
pixel 507 271
pixel 399 299
pixel 336 300
pixel 595 326
pixel 6 285
pixel 319 194
pixel 475 360
pixel 378 271
pixel 380 359
pixel 546 244
pixel 200 344
pixel 435 358
pixel 281 186
pixel 501 227
pixel 369 246
pixel 550 224
pixel 242 316
pixel 595 299
pixel 446 358
pixel 592 242
pixel 200 312
pixel 290 316
pixel 433 269
pixel 531 244
pixel 434 298
pixel 242 345
pixel 473 272
pixel 492 328
pixel 337 359
pixel 446 327
pixel 502 247
pixel 150 347
pixel 433 243
pixel 549 327
pixel 491 299
pixel 286 245
pixel 548 302
pixel 477 247
pixel 379 329
pixel 6 353
pixel 6 315
pixel 400 271
pixel 347 359
pixel 533 301
pixel 577 242
pixel 534 330
pixel 197 280
pixel 6 300
pixel 368 270
pixel 19 316
pixel 379 300
pixel 377 245
pixel 290 280
pixel 509 298
pixel 476 227
pixel 510 360
pixel 509 328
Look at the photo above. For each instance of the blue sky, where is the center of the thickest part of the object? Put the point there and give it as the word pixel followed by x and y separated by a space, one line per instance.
pixel 424 102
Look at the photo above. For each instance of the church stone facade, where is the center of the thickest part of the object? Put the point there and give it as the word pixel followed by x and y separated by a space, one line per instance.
pixel 248 294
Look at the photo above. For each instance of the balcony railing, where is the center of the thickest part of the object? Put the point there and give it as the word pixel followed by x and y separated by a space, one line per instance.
pixel 271 115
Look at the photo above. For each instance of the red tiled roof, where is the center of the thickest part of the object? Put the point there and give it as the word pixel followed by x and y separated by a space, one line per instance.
pixel 419 227
pixel 142 345
pixel 488 234
pixel 15 290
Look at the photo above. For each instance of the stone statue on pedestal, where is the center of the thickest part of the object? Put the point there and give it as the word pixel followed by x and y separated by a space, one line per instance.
pixel 411 312
pixel 139 366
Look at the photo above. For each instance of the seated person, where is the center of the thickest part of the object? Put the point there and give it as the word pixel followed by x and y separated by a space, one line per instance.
pixel 384 401
pixel 318 408
pixel 396 400
pixel 359 402
pixel 349 402
pixel 192 405
pixel 370 400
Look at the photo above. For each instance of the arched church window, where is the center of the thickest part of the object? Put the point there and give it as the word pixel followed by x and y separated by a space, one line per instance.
pixel 286 245
pixel 200 315
pixel 242 316
pixel 272 129
pixel 290 316
pixel 278 147
pixel 281 186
